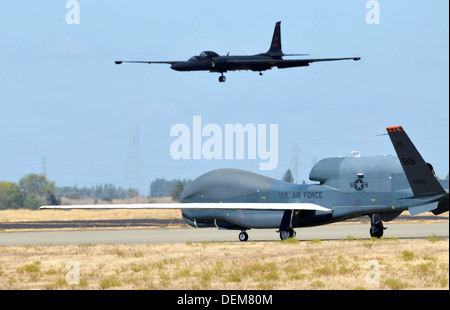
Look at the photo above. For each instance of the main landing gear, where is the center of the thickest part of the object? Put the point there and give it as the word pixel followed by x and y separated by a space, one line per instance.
pixel 223 78
pixel 377 228
pixel 286 230
pixel 287 234
pixel 243 236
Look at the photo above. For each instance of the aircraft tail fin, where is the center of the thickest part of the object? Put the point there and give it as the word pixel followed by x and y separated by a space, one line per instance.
pixel 275 45
pixel 443 206
pixel 419 173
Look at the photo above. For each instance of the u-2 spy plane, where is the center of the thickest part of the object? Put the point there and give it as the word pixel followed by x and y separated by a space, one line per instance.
pixel 212 62
pixel 381 187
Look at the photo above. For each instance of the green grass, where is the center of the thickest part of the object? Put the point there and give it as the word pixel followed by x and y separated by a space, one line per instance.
pixel 407 255
pixel 290 241
pixel 35 267
pixel 424 269
pixel 395 284
pixel 109 282
pixel 434 238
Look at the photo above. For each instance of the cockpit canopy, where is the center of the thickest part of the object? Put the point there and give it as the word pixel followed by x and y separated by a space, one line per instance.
pixel 208 55
pixel 204 55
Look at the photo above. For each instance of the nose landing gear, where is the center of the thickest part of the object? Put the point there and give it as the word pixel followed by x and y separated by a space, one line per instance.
pixel 243 236
pixel 222 78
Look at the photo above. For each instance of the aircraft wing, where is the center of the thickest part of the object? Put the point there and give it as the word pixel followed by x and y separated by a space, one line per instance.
pixel 286 63
pixel 305 62
pixel 118 62
pixel 218 206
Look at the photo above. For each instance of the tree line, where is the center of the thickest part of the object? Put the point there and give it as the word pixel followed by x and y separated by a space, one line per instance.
pixel 35 190
pixel 106 192
pixel 163 188
pixel 32 191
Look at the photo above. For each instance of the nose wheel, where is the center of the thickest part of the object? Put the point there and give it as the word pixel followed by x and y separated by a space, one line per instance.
pixel 222 78
pixel 243 236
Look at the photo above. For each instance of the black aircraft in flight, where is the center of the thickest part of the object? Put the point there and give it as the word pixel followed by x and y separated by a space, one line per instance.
pixel 213 62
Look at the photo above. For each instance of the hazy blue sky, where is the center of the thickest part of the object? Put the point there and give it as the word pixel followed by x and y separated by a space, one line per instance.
pixel 62 96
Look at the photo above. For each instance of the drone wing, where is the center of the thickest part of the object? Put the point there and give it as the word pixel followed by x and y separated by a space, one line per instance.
pixel 218 206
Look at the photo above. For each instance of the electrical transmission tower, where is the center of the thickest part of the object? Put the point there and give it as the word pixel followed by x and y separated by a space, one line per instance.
pixel 135 164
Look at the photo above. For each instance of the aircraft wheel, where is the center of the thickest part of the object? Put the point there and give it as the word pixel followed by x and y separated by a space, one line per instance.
pixel 243 236
pixel 222 78
pixel 284 235
pixel 292 233
pixel 377 228
pixel 376 231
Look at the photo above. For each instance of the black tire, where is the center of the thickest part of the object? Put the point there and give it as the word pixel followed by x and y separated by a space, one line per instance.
pixel 376 231
pixel 285 235
pixel 243 236
pixel 292 233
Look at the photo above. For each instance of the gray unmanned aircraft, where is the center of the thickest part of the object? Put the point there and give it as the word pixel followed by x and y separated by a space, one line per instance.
pixel 212 62
pixel 381 187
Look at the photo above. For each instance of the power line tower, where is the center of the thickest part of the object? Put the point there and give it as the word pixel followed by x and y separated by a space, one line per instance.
pixel 135 164
pixel 295 163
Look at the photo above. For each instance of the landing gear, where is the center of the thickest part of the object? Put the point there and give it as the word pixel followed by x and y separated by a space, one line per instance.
pixel 292 233
pixel 284 235
pixel 377 228
pixel 243 236
pixel 287 234
pixel 286 230
pixel 222 78
pixel 260 73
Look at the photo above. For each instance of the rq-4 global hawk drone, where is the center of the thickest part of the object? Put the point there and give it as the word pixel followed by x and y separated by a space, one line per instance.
pixel 381 187
pixel 212 62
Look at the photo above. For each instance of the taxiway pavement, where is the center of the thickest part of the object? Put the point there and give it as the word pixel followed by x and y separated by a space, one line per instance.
pixel 183 235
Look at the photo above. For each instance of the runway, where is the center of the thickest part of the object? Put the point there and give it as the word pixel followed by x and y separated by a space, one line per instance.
pixel 183 235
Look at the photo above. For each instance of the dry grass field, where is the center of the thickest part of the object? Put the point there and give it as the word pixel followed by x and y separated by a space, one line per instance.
pixel 24 215
pixel 85 215
pixel 344 265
